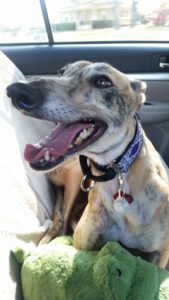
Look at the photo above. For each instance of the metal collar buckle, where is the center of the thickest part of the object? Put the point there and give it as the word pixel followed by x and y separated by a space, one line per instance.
pixel 86 189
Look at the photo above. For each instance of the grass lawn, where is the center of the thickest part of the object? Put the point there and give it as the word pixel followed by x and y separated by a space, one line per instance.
pixel 137 33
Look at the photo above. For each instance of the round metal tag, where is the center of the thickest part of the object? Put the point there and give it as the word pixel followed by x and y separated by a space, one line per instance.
pixel 120 205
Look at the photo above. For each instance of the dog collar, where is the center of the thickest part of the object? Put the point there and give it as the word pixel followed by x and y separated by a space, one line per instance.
pixel 120 165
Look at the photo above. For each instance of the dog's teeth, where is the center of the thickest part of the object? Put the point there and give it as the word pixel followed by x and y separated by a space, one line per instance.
pixel 78 141
pixel 47 155
pixel 84 134
pixel 70 146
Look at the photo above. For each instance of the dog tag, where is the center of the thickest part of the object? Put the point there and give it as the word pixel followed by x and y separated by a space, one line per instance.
pixel 121 199
pixel 120 205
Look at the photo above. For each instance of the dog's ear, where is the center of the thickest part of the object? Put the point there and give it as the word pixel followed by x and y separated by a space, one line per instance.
pixel 139 87
pixel 61 72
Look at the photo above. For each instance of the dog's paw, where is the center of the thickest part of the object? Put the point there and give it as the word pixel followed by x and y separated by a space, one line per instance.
pixel 83 240
pixel 53 231
pixel 160 258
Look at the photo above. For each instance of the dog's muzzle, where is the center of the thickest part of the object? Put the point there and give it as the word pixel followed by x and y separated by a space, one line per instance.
pixel 23 96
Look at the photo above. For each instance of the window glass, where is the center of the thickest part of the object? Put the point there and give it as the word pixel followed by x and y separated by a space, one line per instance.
pixel 21 21
pixel 109 20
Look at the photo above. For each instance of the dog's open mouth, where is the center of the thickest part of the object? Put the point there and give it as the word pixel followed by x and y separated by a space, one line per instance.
pixel 62 141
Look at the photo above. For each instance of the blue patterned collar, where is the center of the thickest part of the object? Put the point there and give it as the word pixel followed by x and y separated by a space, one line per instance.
pixel 124 162
pixel 121 164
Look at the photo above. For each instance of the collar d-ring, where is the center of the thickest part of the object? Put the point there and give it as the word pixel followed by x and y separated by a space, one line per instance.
pixel 86 189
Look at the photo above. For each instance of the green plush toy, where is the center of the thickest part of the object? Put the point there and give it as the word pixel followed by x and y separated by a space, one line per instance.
pixel 58 271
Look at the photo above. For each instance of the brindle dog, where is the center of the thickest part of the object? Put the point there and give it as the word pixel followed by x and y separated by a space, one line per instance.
pixel 96 107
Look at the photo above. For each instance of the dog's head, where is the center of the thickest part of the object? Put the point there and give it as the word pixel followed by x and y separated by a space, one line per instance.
pixel 90 101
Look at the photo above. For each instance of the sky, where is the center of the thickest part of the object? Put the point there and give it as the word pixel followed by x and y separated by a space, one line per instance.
pixel 26 12
pixel 13 12
pixel 146 6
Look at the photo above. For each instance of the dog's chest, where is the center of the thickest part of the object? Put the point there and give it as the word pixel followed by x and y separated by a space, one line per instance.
pixel 118 228
pixel 134 226
pixel 117 197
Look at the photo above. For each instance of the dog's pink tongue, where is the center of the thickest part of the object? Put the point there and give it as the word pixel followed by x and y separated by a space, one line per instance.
pixel 57 142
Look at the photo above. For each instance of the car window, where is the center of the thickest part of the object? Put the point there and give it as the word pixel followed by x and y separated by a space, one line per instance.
pixel 108 20
pixel 83 21
pixel 21 21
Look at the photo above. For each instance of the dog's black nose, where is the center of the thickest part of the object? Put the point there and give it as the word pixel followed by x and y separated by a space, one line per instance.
pixel 23 96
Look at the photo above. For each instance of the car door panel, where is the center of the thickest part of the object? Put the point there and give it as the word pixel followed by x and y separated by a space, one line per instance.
pixel 127 57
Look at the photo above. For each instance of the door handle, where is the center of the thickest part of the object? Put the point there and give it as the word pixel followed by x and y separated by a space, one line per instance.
pixel 163 65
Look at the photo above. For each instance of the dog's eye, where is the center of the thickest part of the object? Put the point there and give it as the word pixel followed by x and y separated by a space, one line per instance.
pixel 102 82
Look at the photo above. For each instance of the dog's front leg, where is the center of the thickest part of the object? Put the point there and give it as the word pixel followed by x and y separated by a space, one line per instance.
pixel 91 224
pixel 56 228
pixel 86 232
pixel 160 258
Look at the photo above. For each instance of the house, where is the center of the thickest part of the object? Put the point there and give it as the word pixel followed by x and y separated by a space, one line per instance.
pixel 87 14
